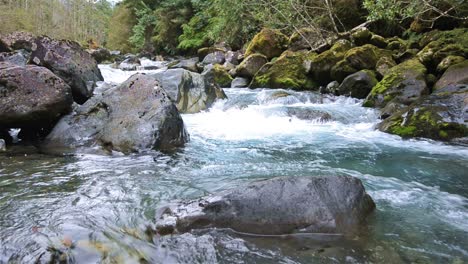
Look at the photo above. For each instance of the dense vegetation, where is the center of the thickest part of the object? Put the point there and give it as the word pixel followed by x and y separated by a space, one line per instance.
pixel 183 26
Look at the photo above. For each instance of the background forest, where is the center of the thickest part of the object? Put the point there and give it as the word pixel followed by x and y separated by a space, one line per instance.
pixel 183 26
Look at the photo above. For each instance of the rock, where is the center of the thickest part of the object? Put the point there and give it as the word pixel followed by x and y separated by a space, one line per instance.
pixel 131 63
pixel 378 41
pixel 269 42
pixel 384 65
pixel 250 66
pixel 216 57
pixel 288 71
pixel 309 114
pixel 341 70
pixel 456 74
pixel 321 65
pixel 442 116
pixel 19 40
pixel 188 64
pixel 203 52
pixel 407 54
pixel 306 39
pixel 147 64
pixel 70 62
pixel 191 92
pixel 440 44
pixel 396 44
pixel 404 84
pixel 221 76
pixel 449 61
pixel 3 46
pixel 101 55
pixel 334 204
pixel 32 98
pixel 2 145
pixel 331 88
pixel 239 82
pixel 135 116
pixel 358 85
pixel 361 36
pixel 233 57
pixel 19 57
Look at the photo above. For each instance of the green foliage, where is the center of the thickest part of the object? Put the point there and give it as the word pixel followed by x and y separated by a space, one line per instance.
pixel 145 20
pixel 120 32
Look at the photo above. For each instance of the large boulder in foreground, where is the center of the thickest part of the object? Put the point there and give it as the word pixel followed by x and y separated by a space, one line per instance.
pixel 70 62
pixel 191 92
pixel 268 42
pixel 403 84
pixel 441 116
pixel 138 115
pixel 334 204
pixel 31 97
pixel 288 71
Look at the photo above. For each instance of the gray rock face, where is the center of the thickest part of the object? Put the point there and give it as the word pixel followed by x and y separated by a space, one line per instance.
pixel 188 64
pixel 70 62
pixel 137 115
pixel 250 66
pixel 216 57
pixel 358 85
pixel 191 92
pixel 456 74
pixel 19 57
pixel 239 82
pixel 31 97
pixel 334 204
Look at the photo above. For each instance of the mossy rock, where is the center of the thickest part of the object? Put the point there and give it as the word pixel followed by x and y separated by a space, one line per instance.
pixel 322 64
pixel 341 70
pixel 220 74
pixel 378 41
pixel 268 42
pixel 365 57
pixel 361 36
pixel 439 116
pixel 449 61
pixel 203 52
pixel 456 74
pixel 396 44
pixel 384 65
pixel 305 39
pixel 288 71
pixel 440 44
pixel 251 65
pixel 358 85
pixel 404 84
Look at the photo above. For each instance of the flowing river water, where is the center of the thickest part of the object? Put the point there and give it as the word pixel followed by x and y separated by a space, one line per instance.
pixel 98 209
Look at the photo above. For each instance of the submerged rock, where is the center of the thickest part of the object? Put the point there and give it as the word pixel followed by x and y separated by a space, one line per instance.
pixel 309 114
pixel 31 97
pixel 334 204
pixel 137 115
pixel 191 92
pixel 442 116
pixel 70 62
pixel 268 42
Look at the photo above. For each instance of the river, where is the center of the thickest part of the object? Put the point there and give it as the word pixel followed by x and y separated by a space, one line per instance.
pixel 98 209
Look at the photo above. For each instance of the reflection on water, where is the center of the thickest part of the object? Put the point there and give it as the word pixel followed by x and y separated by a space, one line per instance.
pixel 91 208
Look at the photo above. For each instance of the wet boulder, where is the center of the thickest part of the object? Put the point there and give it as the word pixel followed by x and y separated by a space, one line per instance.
pixel 70 62
pixel 404 84
pixel 441 116
pixel 221 76
pixel 309 114
pixel 136 116
pixel 239 82
pixel 130 63
pixel 333 204
pixel 191 92
pixel 250 65
pixel 268 42
pixel 288 71
pixel 456 74
pixel 358 85
pixel 32 98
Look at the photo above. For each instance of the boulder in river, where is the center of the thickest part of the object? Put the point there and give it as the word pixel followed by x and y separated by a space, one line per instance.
pixel 191 92
pixel 333 204
pixel 239 82
pixel 188 64
pixel 322 64
pixel 137 115
pixel 250 65
pixel 31 97
pixel 442 116
pixel 221 75
pixel 358 85
pixel 217 57
pixel 268 42
pixel 70 62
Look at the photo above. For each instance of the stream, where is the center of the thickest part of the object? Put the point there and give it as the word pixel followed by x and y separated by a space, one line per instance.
pixel 99 209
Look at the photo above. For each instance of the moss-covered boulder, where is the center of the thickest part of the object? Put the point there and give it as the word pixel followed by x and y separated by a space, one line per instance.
pixel 378 41
pixel 439 116
pixel 456 74
pixel 288 71
pixel 440 44
pixel 359 84
pixel 384 65
pixel 341 70
pixel 220 74
pixel 268 42
pixel 250 65
pixel 405 83
pixel 322 64
pixel 449 61
pixel 361 36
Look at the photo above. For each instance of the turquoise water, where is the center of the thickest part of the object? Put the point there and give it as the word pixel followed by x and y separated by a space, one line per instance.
pixel 97 209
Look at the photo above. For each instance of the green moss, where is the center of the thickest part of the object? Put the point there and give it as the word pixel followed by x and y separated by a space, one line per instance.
pixel 439 45
pixel 403 131
pixel 268 42
pixel 222 77
pixel 323 63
